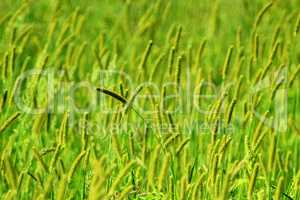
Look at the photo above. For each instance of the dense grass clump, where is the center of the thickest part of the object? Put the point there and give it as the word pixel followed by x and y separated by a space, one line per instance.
pixel 123 99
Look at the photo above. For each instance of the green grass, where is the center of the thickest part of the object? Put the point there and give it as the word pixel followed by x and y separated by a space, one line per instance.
pixel 117 99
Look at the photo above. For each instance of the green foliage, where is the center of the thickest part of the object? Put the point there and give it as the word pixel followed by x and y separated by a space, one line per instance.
pixel 149 99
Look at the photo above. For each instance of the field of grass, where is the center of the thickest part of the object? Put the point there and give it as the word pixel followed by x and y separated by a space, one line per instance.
pixel 149 99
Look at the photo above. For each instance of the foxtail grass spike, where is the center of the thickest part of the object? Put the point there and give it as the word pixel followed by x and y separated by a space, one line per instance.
pixel 12 119
pixel 227 62
pixel 261 13
pixel 297 27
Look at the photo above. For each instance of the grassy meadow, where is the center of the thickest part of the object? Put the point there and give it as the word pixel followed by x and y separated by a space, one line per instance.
pixel 149 99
